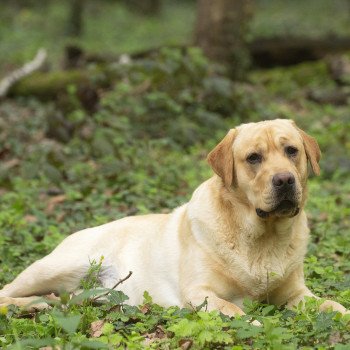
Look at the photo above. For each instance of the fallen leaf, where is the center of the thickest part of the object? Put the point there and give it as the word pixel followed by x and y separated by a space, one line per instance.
pixel 86 132
pixel 2 191
pixel 11 163
pixel 145 309
pixel 93 164
pixel 108 192
pixel 323 216
pixel 335 338
pixel 116 308
pixel 96 328
pixel 159 333
pixel 30 219
pixel 54 201
pixel 60 217
pixel 185 344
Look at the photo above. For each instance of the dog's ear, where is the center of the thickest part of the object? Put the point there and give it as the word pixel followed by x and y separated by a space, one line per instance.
pixel 312 150
pixel 221 158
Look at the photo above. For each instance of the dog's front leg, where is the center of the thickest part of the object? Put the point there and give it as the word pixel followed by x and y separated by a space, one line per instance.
pixel 293 291
pixel 300 295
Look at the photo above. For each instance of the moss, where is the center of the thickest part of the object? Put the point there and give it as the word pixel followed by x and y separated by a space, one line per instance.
pixel 290 81
pixel 48 85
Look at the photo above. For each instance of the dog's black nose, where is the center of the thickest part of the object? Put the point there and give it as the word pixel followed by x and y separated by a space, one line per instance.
pixel 283 180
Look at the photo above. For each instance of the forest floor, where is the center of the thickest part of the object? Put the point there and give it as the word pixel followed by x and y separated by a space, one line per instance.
pixel 143 150
pixel 50 189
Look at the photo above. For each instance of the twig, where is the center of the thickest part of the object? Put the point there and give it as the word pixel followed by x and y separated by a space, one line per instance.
pixel 18 74
pixel 267 286
pixel 199 307
pixel 115 286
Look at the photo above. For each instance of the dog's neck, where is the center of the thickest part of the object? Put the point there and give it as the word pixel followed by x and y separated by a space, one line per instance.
pixel 227 228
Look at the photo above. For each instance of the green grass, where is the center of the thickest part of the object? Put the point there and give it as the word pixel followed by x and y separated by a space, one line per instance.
pixel 130 159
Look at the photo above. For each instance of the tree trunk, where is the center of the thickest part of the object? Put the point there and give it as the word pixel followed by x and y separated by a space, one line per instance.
pixel 145 7
pixel 75 24
pixel 221 30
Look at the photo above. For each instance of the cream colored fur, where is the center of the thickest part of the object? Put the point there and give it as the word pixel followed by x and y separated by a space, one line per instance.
pixel 214 246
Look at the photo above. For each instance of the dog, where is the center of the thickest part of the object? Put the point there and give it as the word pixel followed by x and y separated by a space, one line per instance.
pixel 243 234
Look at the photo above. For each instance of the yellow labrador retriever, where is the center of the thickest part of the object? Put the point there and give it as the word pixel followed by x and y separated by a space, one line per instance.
pixel 243 234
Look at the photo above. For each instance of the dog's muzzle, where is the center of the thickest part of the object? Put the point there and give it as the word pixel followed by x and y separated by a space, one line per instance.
pixel 284 189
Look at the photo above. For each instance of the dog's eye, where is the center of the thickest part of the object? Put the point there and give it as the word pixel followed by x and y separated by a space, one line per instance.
pixel 291 151
pixel 254 158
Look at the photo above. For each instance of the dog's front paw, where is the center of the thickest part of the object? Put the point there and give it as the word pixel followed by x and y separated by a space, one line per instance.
pixel 30 304
pixel 334 306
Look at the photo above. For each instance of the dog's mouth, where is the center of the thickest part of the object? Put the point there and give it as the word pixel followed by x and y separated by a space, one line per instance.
pixel 285 207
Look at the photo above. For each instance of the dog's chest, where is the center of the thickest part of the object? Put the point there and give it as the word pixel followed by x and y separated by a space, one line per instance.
pixel 263 275
pixel 263 269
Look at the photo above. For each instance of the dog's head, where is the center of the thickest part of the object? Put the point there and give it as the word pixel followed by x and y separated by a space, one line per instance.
pixel 266 163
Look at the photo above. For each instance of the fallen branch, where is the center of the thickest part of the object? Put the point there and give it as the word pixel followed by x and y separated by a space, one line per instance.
pixel 18 74
pixel 270 52
pixel 279 50
pixel 114 287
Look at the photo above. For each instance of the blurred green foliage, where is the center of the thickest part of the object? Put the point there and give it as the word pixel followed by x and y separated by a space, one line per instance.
pixel 311 19
pixel 109 27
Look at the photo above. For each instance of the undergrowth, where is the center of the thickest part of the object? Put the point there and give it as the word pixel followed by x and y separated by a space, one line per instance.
pixel 144 151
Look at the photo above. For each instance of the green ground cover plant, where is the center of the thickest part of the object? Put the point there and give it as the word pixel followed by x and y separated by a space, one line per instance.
pixel 144 151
